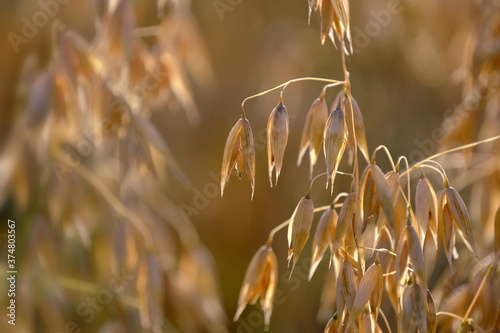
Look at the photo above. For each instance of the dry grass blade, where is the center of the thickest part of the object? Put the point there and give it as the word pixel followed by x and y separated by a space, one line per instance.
pixel 260 281
pixel 299 229
pixel 312 134
pixel 323 237
pixel 334 142
pixel 277 138
pixel 371 282
pixel 426 209
pixel 461 216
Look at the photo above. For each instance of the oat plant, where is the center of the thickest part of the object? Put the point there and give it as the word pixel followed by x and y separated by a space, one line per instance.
pixel 101 246
pixel 383 235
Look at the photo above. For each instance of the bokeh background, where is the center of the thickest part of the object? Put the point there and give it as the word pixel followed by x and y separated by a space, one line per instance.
pixel 410 68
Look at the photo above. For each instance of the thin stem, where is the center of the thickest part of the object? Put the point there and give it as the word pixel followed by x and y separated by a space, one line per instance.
pixel 119 207
pixel 312 181
pixel 440 167
pixel 324 173
pixel 285 223
pixel 340 195
pixel 375 249
pixel 470 145
pixel 445 179
pixel 469 310
pixel 387 152
pixel 323 91
pixel 449 314
pixel 284 85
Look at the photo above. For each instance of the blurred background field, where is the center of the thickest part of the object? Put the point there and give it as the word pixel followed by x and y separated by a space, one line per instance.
pixel 410 69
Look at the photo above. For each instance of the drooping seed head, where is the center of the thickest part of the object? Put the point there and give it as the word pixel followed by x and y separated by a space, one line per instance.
pixel 370 287
pixel 346 288
pixel 415 254
pixel 460 216
pixel 326 13
pixel 239 153
pixel 426 209
pixel 277 138
pixel 312 134
pixel 334 142
pixel 260 282
pixel 248 149
pixel 345 218
pixel 231 152
pixel 355 125
pixel 323 237
pixel 299 229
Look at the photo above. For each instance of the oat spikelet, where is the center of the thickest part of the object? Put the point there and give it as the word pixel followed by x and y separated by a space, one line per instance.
pixel 260 282
pixel 446 230
pixel 426 209
pixel 239 153
pixel 431 313
pixel 299 229
pixel 231 152
pixel 460 216
pixel 312 134
pixel 414 309
pixel 327 16
pixel 370 286
pixel 415 254
pixel 345 218
pixel 277 138
pixel 358 128
pixel 334 142
pixel 383 193
pixel 341 24
pixel 497 232
pixel 323 237
pixel 346 289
